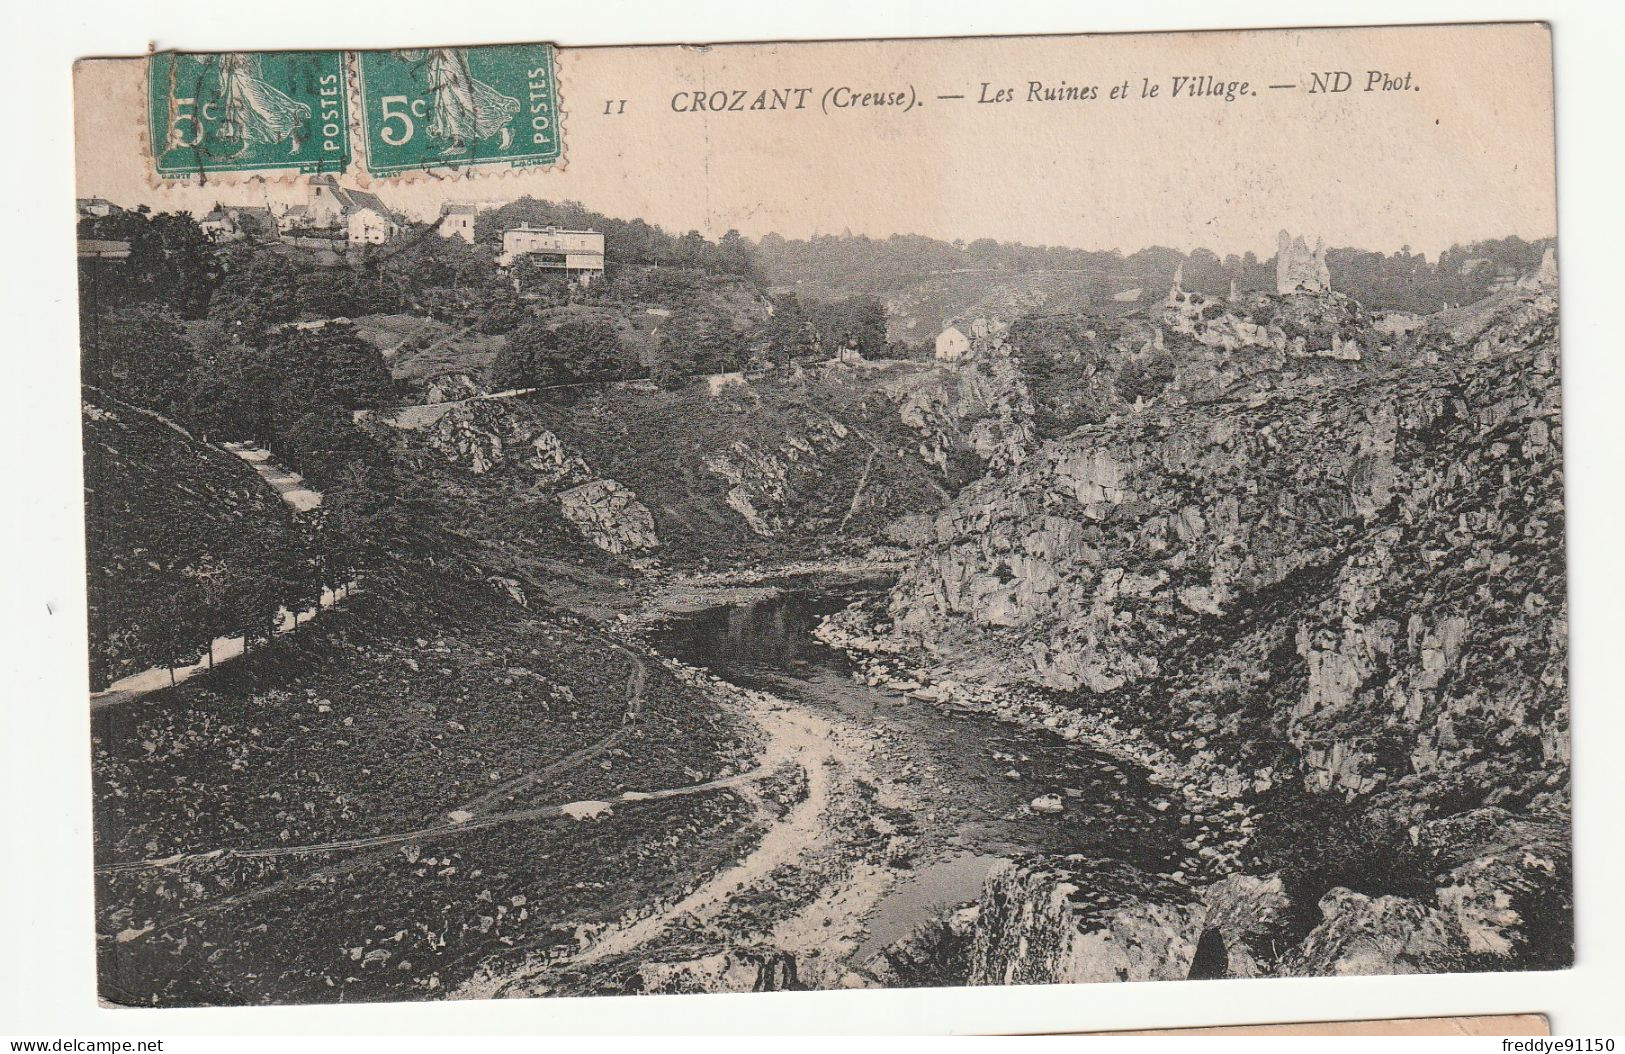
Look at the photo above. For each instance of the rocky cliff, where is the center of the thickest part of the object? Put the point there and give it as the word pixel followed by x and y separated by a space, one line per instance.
pixel 980 405
pixel 480 435
pixel 1315 581
pixel 787 464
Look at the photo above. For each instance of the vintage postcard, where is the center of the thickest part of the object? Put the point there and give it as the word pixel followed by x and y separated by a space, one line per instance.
pixel 823 515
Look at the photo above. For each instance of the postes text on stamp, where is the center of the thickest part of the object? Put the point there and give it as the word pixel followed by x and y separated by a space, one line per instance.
pixel 247 112
pixel 445 108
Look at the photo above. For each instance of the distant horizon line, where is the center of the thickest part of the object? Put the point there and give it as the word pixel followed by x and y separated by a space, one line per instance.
pixel 963 242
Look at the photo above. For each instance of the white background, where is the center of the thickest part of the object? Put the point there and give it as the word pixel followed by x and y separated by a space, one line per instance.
pixel 47 976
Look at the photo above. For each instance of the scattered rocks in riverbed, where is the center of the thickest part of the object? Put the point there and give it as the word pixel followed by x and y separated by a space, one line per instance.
pixel 1048 803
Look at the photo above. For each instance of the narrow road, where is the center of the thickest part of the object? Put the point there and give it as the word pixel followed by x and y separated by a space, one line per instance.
pixel 575 810
pixel 289 484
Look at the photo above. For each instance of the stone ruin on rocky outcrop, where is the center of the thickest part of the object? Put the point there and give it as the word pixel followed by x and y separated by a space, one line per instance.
pixel 1297 270
pixel 1544 278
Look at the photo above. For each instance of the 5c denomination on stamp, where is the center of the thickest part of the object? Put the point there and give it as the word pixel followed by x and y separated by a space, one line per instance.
pixel 247 112
pixel 445 108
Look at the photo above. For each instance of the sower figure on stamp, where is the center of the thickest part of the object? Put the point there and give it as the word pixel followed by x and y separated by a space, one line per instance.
pixel 254 110
pixel 465 109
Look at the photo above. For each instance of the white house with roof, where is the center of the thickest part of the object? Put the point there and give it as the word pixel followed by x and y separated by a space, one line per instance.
pixel 457 220
pixel 578 254
pixel 367 225
pixel 952 345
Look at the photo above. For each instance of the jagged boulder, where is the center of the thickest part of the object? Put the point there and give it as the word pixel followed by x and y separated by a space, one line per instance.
pixel 1080 920
pixel 555 464
pixel 1361 935
pixel 610 516
pixel 451 387
pixel 1077 919
pixel 983 406
pixel 476 435
pixel 1506 892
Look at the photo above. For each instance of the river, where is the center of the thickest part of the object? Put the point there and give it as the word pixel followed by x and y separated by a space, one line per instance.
pixel 979 774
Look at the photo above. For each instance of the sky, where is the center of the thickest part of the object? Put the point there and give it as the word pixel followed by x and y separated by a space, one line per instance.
pixel 1462 152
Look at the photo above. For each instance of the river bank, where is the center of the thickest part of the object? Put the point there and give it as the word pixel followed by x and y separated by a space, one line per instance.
pixel 980 790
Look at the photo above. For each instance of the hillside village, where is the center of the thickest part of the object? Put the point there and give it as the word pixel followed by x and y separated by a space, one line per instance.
pixel 1099 611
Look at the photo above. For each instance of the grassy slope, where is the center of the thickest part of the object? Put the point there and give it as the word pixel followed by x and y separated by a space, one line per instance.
pixel 425 691
pixel 363 725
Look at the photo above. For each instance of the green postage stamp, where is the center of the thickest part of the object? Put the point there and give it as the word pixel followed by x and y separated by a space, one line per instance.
pixel 444 108
pixel 415 110
pixel 247 112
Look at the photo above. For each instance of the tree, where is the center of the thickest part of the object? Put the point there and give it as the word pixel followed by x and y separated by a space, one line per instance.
pixel 322 439
pixel 225 395
pixel 333 363
pixel 696 339
pixel 543 352
pixel 258 291
pixel 140 353
pixel 789 332
pixel 735 255
pixel 358 520
pixel 172 261
pixel 1145 378
pixel 855 322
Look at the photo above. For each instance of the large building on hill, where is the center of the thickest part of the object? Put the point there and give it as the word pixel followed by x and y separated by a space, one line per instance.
pixel 579 254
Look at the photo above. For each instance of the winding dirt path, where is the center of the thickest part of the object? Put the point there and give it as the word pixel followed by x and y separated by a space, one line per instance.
pixel 793 738
pixel 791 742
pixel 591 810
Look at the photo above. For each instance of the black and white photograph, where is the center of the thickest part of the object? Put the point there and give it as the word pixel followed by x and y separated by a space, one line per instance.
pixel 884 514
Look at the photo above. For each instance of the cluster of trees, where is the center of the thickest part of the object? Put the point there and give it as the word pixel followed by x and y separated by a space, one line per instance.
pixel 294 391
pixel 253 287
pixel 701 336
pixel 204 335
pixel 542 352
pixel 171 262
pixel 801 329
